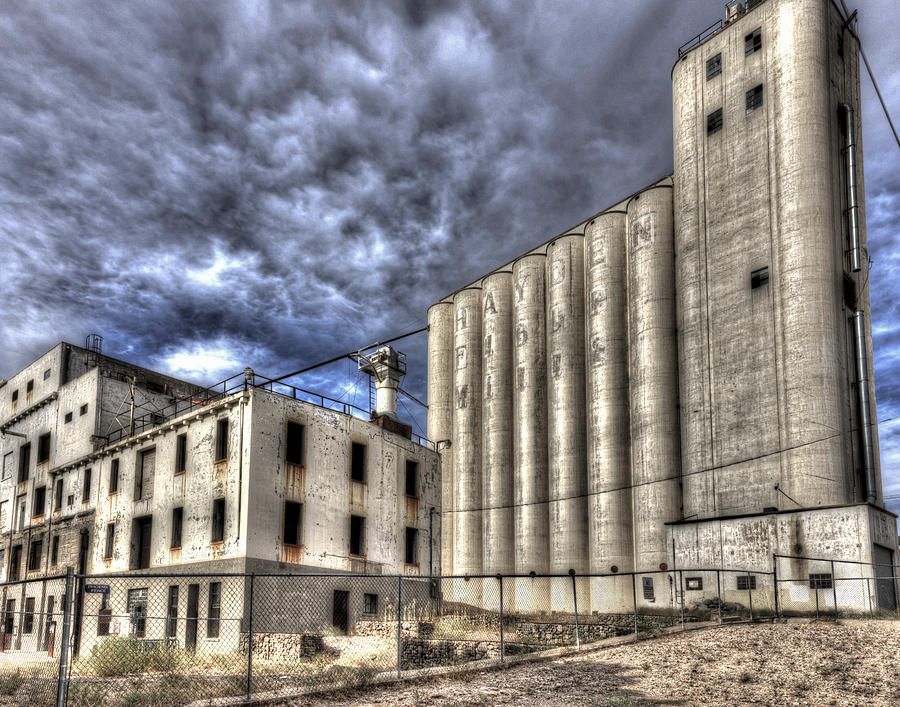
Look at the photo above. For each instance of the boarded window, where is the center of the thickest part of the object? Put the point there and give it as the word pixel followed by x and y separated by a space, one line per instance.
pixel 28 618
pixel 222 439
pixel 24 462
pixel 412 479
pixel 114 476
pixel 820 581
pixel 58 494
pixel 218 520
pixel 40 501
pixel 746 582
pixel 357 536
pixel 358 462
pixel 34 555
pixel 693 583
pixel 172 612
pixel 370 603
pixel 8 462
pixel 293 453
pixel 43 448
pixel 754 98
pixel 758 278
pixel 714 122
pixel 110 540
pixel 47 374
pixel 214 609
pixel 753 41
pixel 412 546
pixel 177 515
pixel 293 523
pixel 86 487
pixel 647 583
pixel 181 453
pixel 143 486
pixel 137 611
pixel 713 66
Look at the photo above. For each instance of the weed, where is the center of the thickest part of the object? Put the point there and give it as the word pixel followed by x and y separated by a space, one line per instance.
pixel 746 677
pixel 11 682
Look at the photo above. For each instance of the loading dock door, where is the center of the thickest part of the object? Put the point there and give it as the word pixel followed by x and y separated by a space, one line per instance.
pixel 884 579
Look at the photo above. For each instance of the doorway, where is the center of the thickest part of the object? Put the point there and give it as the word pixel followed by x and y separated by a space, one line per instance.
pixel 884 579
pixel 341 614
pixel 190 627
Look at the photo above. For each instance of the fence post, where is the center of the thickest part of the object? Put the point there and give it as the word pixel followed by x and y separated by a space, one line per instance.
pixel 502 647
pixel 750 593
pixel 681 586
pixel 399 621
pixel 634 599
pixel 575 606
pixel 62 682
pixel 869 594
pixel 816 589
pixel 250 642
pixel 775 584
pixel 834 589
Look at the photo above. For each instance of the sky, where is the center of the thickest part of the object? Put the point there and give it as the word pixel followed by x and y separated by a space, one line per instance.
pixel 269 184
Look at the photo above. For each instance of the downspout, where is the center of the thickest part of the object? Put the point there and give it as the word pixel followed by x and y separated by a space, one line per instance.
pixel 852 203
pixel 240 467
pixel 865 413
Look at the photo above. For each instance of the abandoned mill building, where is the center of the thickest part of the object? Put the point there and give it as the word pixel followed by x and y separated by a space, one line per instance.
pixel 683 379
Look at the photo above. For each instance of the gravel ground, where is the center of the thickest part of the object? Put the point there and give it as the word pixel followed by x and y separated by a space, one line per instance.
pixel 820 663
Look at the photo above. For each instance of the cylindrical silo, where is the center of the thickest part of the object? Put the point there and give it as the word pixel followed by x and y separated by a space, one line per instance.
pixel 608 433
pixel 497 425
pixel 440 415
pixel 530 431
pixel 653 382
pixel 567 458
pixel 467 432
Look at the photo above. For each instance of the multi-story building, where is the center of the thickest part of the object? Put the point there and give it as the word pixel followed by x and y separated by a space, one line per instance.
pixel 251 477
pixel 685 377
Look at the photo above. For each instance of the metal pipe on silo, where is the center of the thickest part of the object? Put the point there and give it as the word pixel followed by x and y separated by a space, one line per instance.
pixel 608 434
pixel 865 408
pixel 440 415
pixel 530 429
pixel 567 459
pixel 497 423
pixel 852 200
pixel 653 368
pixel 467 558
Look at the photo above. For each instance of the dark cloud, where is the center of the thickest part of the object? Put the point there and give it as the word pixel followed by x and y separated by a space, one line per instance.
pixel 272 183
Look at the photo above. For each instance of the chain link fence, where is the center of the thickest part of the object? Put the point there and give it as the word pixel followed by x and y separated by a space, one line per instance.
pixel 155 639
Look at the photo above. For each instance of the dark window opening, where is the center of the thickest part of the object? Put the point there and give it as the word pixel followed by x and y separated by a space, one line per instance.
pixel 57 494
pixel 849 292
pixel 29 387
pixel 68 417
pixel 110 540
pixel 214 609
pixel 180 453
pixel 218 520
pixel 754 98
pixel 713 66
pixel 9 617
pixel 840 45
pixel 15 563
pixel 141 543
pixel 357 536
pixel 54 551
pixel 34 555
pixel 412 479
pixel 714 122
pixel 172 612
pixel 746 583
pixel 753 41
pixel 820 581
pixel 28 618
pixel 83 409
pixel 86 488
pixel 222 440
pixel 293 453
pixel 104 616
pixel 137 611
pixel 358 462
pixel 40 501
pixel 177 515
pixel 370 603
pixel 693 583
pixel 15 396
pixel 412 546
pixel 114 476
pixel 24 461
pixel 47 374
pixel 43 454
pixel 293 523
pixel 758 278
pixel 647 584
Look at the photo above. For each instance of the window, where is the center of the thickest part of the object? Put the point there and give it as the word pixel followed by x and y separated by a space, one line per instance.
pixel 83 409
pixel 218 520
pixel 647 583
pixel 222 440
pixel 7 465
pixel 293 523
pixel 86 488
pixel 758 278
pixel 412 479
pixel 214 610
pixel 177 515
pixel 713 66
pixel 110 540
pixel 22 510
pixel 104 615
pixel 15 397
pixel 293 449
pixel 40 501
pixel 114 477
pixel 180 453
pixel 746 582
pixel 137 611
pixel 358 462
pixel 753 41
pixel 57 495
pixel 370 603
pixel 28 618
pixel 714 122
pixel 15 563
pixel 47 374
pixel 34 554
pixel 141 538
pixel 43 448
pixel 820 581
pixel 172 613
pixel 24 461
pixel 357 536
pixel 54 551
pixel 412 546
pixel 754 98
pixel 9 616
pixel 29 387
pixel 143 483
pixel 68 418
pixel 693 583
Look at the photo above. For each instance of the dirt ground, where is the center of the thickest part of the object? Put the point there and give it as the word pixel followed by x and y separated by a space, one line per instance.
pixel 820 663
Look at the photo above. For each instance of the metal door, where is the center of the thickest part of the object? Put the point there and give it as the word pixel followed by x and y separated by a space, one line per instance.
pixel 884 579
pixel 190 627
